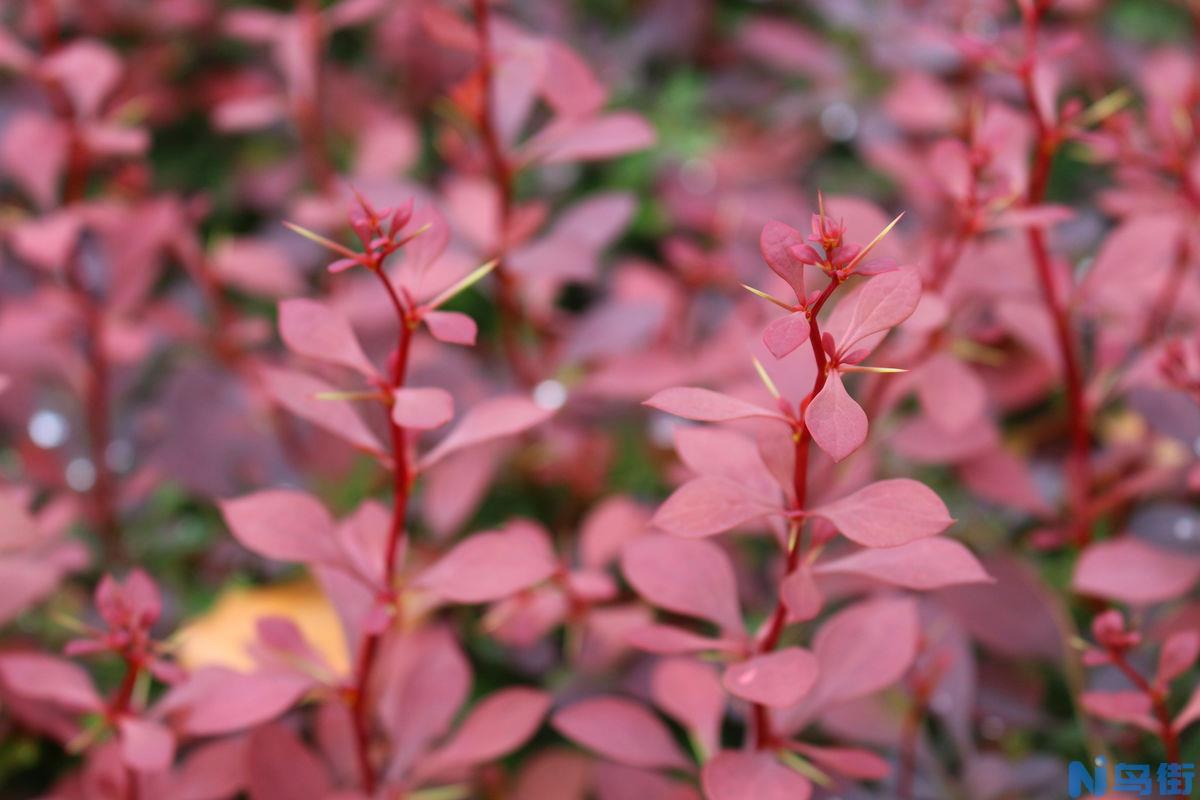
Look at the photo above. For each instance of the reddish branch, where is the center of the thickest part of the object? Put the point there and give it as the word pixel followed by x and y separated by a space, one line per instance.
pixel 764 736
pixel 1158 701
pixel 402 484
pixel 502 177
pixel 1047 143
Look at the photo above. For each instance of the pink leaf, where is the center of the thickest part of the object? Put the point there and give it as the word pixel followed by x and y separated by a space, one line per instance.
pixel 738 775
pixel 952 395
pixel 299 393
pixel 621 730
pixel 491 419
pixel 776 243
pixel 783 335
pixel 146 746
pixel 707 505
pixel 884 302
pixel 283 767
pixel 1178 654
pixel 451 327
pixel 1132 707
pixel 801 595
pixel 46 679
pixel 599 137
pixel 888 513
pixel 689 691
pixel 858 764
pixel 1129 570
pixel 500 724
pixel 779 679
pixel 422 408
pixel 1189 713
pixel 684 576
pixel 316 331
pixel 864 648
pixel 837 423
pixel 669 641
pixel 705 405
pixel 492 565
pixel 923 564
pixel 216 700
pixel 284 525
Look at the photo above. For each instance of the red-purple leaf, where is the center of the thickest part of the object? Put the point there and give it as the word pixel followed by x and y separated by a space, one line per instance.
pixel 316 331
pixel 884 302
pixel 783 335
pixel 708 505
pixel 621 730
pixel 752 775
pixel 801 595
pixel 1129 570
pixel 492 565
pixel 500 724
pixel 146 746
pixel 567 140
pixel 864 648
pixel 705 405
pixel 923 564
pixel 300 394
pixel 686 577
pixel 422 408
pixel 283 767
pixel 46 679
pixel 669 641
pixel 858 764
pixel 689 691
pixel 216 700
pixel 1131 707
pixel 888 513
pixel 776 243
pixel 491 419
pixel 837 423
pixel 283 524
pixel 451 327
pixel 1178 654
pixel 779 679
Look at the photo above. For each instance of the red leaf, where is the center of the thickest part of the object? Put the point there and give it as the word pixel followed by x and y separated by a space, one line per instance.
pixel 1129 570
pixel 883 302
pixel 858 764
pixel 705 405
pixel 146 746
pixel 776 243
pixel 783 335
pixel 316 331
pixel 621 730
pixel 451 327
pixel 888 513
pixel 669 640
pixel 46 679
pixel 298 393
pixel 498 725
pixel 284 525
pixel 686 577
pixel 779 679
pixel 864 649
pixel 837 423
pixel 707 505
pixel 689 691
pixel 1178 654
pixel 1132 707
pixel 491 419
pixel 283 767
pixel 422 408
pixel 492 565
pixel 216 700
pixel 801 595
pixel 738 775
pixel 951 393
pixel 924 564
pixel 567 140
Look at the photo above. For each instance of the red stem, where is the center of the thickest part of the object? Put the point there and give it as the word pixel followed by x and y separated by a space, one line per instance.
pixel 402 483
pixel 1158 700
pixel 1078 463
pixel 502 176
pixel 764 737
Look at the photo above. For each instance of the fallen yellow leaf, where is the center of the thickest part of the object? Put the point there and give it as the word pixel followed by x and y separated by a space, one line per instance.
pixel 221 636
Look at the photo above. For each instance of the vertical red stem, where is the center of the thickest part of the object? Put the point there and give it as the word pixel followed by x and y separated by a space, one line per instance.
pixel 1158 701
pixel 502 176
pixel 402 480
pixel 1078 462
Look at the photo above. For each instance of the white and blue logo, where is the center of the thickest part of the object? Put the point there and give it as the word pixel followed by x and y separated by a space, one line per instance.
pixel 1165 780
